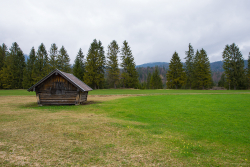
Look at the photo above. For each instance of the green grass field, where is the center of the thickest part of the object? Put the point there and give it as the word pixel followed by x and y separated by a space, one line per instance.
pixel 161 91
pixel 16 92
pixel 161 128
pixel 24 92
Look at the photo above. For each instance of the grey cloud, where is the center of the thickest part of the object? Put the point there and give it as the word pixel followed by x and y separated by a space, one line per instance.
pixel 154 29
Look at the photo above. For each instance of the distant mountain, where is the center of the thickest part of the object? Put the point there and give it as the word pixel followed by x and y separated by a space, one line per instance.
pixel 26 57
pixel 215 66
pixel 153 64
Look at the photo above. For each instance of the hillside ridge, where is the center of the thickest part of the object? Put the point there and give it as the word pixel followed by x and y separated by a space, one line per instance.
pixel 216 66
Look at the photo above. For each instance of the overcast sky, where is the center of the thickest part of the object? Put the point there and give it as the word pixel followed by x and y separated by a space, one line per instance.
pixel 154 29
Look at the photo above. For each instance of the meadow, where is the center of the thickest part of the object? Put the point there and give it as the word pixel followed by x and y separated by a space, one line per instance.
pixel 23 92
pixel 127 127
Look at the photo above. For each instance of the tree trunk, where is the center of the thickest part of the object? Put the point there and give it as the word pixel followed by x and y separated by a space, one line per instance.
pixel 175 86
pixel 115 86
pixel 234 87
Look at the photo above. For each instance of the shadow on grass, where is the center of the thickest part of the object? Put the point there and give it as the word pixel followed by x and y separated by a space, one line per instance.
pixel 90 102
pixel 28 105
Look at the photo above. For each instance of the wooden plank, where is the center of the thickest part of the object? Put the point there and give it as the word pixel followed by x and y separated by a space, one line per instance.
pixel 58 103
pixel 57 96
pixel 57 99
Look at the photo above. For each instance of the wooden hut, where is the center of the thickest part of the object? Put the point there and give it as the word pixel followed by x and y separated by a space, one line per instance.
pixel 60 88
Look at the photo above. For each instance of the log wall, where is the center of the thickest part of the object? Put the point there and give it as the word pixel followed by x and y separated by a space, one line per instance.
pixel 83 97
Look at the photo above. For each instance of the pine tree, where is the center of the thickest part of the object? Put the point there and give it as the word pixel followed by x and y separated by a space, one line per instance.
pixel 12 72
pixel 78 67
pixel 41 64
pixel 202 72
pixel 248 70
pixel 189 66
pixel 27 73
pixel 6 74
pixel 63 60
pixel 233 64
pixel 129 74
pixel 175 75
pixel 3 54
pixel 148 80
pixel 2 58
pixel 155 81
pixel 95 65
pixel 112 64
pixel 143 85
pixel 53 54
pixel 222 81
pixel 18 65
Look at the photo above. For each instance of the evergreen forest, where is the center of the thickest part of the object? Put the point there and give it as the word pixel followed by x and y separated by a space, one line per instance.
pixel 102 70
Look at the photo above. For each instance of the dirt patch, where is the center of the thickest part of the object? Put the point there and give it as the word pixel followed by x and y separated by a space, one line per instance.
pixel 105 97
pixel 28 99
pixel 16 99
pixel 218 88
pixel 89 102
pixel 3 154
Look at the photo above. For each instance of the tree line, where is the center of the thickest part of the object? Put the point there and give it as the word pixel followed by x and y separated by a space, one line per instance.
pixel 100 70
pixel 16 73
pixel 195 73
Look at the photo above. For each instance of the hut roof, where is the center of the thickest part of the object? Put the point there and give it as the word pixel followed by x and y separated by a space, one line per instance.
pixel 70 77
